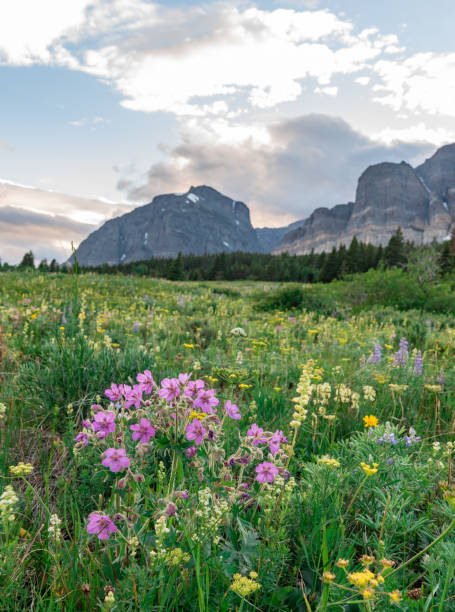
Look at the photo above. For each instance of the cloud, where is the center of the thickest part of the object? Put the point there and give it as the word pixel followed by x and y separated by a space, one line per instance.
pixel 198 60
pixel 424 82
pixel 310 161
pixel 47 222
pixel 47 236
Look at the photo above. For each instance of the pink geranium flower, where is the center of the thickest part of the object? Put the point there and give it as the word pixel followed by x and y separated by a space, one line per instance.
pixel 256 432
pixel 266 472
pixel 170 389
pixel 133 396
pixel 275 441
pixel 115 393
pixel 194 387
pixel 104 424
pixel 146 380
pixel 101 524
pixel 195 431
pixel 206 401
pixel 143 431
pixel 232 410
pixel 183 379
pixel 115 459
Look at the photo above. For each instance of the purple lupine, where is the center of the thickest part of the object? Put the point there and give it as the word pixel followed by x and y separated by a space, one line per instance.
pixel 170 389
pixel 143 431
pixel 136 327
pixel 146 380
pixel 232 410
pixel 255 433
pixel 377 354
pixel 195 431
pixel 418 364
pixel 194 387
pixel 206 401
pixel 266 472
pixel 104 423
pixel 115 459
pixel 101 524
pixel 411 438
pixel 400 358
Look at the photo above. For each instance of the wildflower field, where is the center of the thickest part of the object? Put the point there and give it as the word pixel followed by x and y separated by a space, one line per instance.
pixel 180 446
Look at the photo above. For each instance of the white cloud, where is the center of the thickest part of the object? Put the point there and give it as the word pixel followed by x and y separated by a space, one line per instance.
pixel 363 80
pixel 192 61
pixel 4 145
pixel 328 91
pixel 29 28
pixel 424 82
pixel 416 133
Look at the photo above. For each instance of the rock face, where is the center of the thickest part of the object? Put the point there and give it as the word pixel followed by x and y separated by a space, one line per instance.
pixel 421 201
pixel 197 222
pixel 270 237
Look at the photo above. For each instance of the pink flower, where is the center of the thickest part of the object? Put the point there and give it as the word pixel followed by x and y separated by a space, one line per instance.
pixel 191 451
pixel 146 380
pixel 115 393
pixel 101 524
pixel 170 389
pixel 266 472
pixel 133 396
pixel 232 410
pixel 82 437
pixel 143 431
pixel 195 431
pixel 206 400
pixel 275 441
pixel 256 432
pixel 194 387
pixel 104 424
pixel 115 459
pixel 183 379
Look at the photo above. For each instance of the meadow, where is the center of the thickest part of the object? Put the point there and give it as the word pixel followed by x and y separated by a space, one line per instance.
pixel 222 446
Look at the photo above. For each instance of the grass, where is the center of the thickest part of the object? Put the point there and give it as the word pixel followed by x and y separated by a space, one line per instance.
pixel 202 533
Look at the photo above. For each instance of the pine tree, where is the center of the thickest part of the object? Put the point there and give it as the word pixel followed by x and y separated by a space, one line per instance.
pixel 395 251
pixel 176 270
pixel 446 258
pixel 28 260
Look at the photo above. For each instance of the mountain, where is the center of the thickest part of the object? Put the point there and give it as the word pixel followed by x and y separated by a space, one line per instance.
pixel 197 222
pixel 419 200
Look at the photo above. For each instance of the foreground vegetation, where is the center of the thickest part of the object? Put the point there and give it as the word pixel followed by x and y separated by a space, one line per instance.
pixel 310 468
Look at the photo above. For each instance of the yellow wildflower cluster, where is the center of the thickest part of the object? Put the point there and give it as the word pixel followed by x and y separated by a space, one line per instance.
pixel 21 469
pixel 8 499
pixel 343 394
pixel 369 393
pixel 197 415
pixel 244 586
pixel 433 388
pixel 330 461
pixel 176 556
pixel 368 581
pixel 369 471
pixel 398 388
pixel 304 390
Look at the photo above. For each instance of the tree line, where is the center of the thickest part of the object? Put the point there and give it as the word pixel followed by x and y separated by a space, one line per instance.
pixel 313 267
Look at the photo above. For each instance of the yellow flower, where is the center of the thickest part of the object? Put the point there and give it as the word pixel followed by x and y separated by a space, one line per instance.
pixel 325 460
pixel 342 563
pixel 21 469
pixel 244 586
pixel 368 593
pixel 244 386
pixel 369 471
pixel 277 388
pixel 33 316
pixel 188 346
pixel 328 577
pixel 370 421
pixel 313 331
pixel 395 596
pixel 389 346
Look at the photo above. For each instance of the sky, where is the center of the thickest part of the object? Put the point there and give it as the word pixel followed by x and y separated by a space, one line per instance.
pixel 278 103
